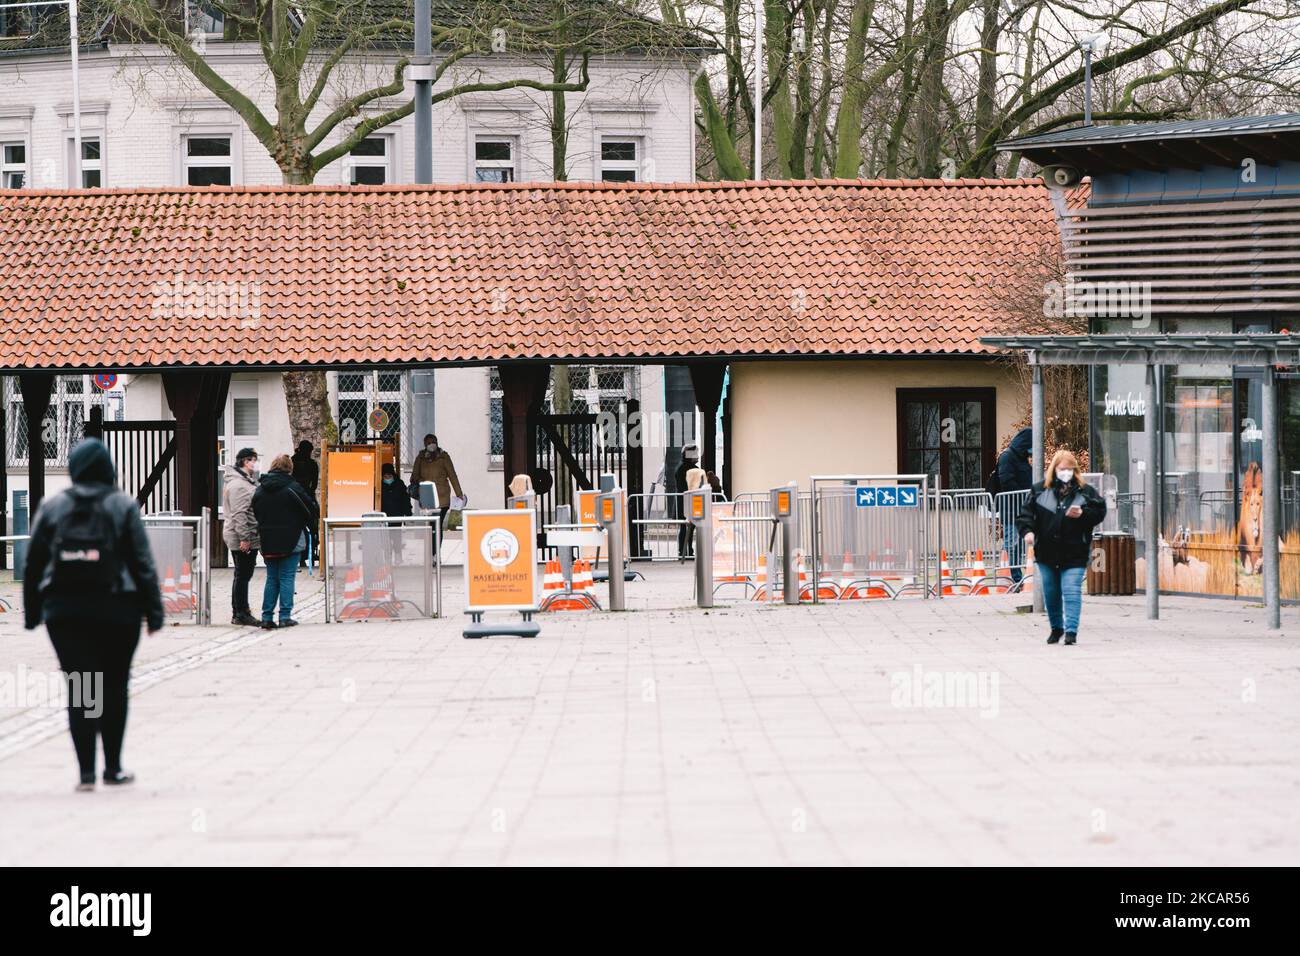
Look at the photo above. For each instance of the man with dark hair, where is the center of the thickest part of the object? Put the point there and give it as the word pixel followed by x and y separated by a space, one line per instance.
pixel 307 473
pixel 240 530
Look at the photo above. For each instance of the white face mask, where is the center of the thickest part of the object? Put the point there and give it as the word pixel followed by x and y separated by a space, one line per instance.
pixel 429 446
pixel 1066 475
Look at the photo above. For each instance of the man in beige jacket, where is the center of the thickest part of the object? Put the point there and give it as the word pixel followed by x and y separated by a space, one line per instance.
pixel 434 464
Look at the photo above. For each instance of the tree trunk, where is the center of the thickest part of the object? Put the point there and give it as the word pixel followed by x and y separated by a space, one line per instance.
pixel 848 121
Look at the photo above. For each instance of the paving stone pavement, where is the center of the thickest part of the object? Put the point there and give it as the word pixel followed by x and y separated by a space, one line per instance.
pixel 670 735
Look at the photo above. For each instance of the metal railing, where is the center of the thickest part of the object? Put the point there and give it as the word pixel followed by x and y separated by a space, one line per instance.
pixel 382 568
pixel 182 554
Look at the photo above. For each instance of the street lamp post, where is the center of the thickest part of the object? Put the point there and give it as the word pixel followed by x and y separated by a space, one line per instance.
pixel 1092 43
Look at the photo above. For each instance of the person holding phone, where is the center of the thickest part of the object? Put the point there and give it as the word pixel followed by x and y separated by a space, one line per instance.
pixel 1057 521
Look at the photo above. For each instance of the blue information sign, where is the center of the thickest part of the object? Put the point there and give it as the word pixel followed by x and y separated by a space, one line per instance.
pixel 887 496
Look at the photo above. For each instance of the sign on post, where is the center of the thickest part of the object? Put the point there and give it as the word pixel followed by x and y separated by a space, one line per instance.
pixel 351 481
pixel 887 496
pixel 500 567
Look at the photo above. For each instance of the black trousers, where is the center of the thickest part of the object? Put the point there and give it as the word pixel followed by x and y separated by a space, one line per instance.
pixel 245 563
pixel 96 658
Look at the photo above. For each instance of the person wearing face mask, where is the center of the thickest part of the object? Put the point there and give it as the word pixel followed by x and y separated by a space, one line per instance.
pixel 394 499
pixel 1057 522
pixel 240 530
pixel 434 464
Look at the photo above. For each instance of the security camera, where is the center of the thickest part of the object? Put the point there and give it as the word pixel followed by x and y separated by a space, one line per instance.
pixel 1061 175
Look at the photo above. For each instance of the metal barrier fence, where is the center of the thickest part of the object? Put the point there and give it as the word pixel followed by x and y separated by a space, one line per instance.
pixel 657 529
pixel 876 530
pixel 382 568
pixel 182 553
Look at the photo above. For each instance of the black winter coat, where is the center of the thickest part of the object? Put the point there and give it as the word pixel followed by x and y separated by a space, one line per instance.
pixel 1059 541
pixel 93 476
pixel 1014 471
pixel 284 511
pixel 395 499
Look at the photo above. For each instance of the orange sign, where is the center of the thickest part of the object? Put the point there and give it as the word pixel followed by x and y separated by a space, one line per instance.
pixel 783 502
pixel 697 506
pixel 500 560
pixel 350 490
pixel 607 509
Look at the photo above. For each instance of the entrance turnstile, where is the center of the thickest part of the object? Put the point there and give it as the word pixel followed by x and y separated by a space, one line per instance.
pixel 785 515
pixel 699 512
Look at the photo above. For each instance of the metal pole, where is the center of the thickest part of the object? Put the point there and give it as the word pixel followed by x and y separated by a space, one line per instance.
pixel 1151 496
pixel 1039 419
pixel 79 182
pixel 925 538
pixel 1087 85
pixel 938 536
pixel 759 26
pixel 1272 488
pixel 325 567
pixel 816 544
pixel 614 535
pixel 422 70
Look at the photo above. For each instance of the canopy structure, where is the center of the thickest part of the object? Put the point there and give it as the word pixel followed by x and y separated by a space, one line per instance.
pixel 1266 351
pixel 1184 144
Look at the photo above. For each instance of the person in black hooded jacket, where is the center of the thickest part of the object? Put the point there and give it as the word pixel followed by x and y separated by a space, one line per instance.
pixel 1015 473
pixel 1057 522
pixel 285 514
pixel 91 600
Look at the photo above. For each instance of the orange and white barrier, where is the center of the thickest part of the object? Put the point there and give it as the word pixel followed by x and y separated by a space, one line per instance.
pixel 170 604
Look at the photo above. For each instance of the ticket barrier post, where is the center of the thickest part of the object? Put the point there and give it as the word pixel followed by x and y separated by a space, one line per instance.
pixel 610 516
pixel 567 539
pixel 785 513
pixel 699 512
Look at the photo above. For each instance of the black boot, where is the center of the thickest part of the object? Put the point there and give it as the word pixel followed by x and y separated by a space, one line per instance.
pixel 1055 636
pixel 87 782
pixel 245 619
pixel 118 778
pixel 1070 637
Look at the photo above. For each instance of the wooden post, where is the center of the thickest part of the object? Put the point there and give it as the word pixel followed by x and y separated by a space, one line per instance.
pixel 35 388
pixel 523 390
pixel 707 378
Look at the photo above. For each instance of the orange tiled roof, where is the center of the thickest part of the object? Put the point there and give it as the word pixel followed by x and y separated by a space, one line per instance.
pixel 291 276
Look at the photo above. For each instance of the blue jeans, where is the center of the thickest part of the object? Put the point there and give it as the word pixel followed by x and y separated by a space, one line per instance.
pixel 1012 542
pixel 1062 595
pixel 281 576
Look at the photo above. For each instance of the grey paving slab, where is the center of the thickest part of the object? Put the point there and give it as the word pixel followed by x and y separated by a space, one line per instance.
pixel 668 735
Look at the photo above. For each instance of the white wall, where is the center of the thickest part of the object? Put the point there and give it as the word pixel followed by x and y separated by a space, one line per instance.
pixel 141 103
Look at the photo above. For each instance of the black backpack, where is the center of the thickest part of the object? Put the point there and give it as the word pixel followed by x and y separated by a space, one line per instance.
pixel 84 555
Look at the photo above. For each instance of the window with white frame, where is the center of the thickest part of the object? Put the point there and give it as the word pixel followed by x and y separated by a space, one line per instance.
pixel 208 160
pixel 495 159
pixel 13 165
pixel 71 399
pixel 92 162
pixel 620 159
pixel 369 162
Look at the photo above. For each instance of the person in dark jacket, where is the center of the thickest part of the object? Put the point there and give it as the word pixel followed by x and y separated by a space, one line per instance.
pixel 1057 522
pixel 94 630
pixel 1015 473
pixel 394 499
pixel 307 473
pixel 284 513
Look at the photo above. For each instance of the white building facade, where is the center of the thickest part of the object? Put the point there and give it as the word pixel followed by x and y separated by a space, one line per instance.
pixel 147 122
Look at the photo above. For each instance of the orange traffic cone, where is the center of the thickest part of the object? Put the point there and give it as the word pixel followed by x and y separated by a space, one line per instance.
pixel 1002 576
pixel 1027 579
pixel 977 575
pixel 169 591
pixel 185 597
pixel 761 592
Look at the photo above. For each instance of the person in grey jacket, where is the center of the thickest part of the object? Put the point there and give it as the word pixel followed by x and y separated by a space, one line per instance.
pixel 90 579
pixel 240 531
